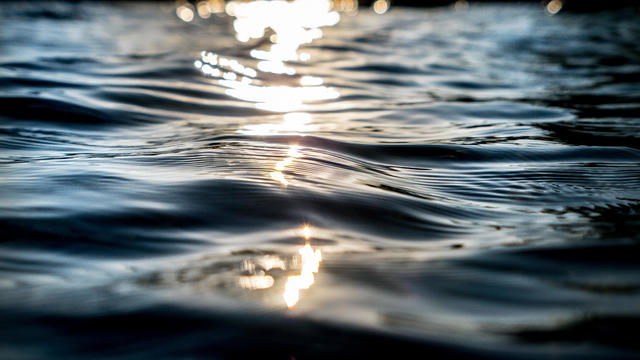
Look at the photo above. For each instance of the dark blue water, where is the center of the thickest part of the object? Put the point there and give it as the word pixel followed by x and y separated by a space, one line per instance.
pixel 467 180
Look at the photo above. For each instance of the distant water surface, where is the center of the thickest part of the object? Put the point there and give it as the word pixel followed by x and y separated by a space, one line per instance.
pixel 291 182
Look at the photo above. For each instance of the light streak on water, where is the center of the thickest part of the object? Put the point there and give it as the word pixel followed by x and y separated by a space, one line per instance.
pixel 294 24
pixel 310 259
pixel 277 173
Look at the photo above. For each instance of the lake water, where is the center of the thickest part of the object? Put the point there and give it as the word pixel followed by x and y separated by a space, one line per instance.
pixel 290 182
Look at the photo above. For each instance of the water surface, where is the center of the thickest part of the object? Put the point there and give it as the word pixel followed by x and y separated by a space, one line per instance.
pixel 466 180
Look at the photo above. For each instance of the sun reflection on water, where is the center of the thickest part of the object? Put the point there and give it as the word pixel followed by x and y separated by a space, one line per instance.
pixel 310 259
pixel 295 122
pixel 241 83
pixel 293 23
pixel 256 282
pixel 277 174
pixel 287 25
pixel 258 275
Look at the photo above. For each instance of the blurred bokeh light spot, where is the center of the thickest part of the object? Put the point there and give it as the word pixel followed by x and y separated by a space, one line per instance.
pixel 380 6
pixel 185 12
pixel 554 6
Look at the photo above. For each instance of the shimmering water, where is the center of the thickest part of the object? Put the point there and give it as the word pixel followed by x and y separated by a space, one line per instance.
pixel 290 182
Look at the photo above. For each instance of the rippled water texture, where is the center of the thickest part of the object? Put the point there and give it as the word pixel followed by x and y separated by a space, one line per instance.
pixel 291 182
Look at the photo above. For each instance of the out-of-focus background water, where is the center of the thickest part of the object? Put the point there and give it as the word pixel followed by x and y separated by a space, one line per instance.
pixel 315 180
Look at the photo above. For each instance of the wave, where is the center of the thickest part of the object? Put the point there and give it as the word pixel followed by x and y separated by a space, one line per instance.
pixel 470 185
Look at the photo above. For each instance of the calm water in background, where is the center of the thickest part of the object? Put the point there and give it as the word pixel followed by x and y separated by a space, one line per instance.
pixel 470 179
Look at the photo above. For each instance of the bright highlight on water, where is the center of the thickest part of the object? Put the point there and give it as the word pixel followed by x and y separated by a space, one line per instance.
pixel 310 261
pixel 319 179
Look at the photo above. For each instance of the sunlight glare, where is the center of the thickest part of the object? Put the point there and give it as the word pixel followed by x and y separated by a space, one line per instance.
pixel 310 81
pixel 294 23
pixel 310 265
pixel 281 165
